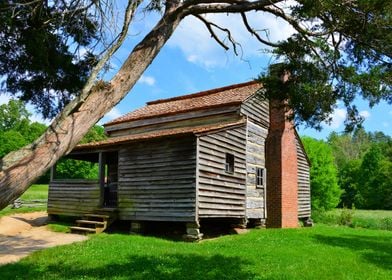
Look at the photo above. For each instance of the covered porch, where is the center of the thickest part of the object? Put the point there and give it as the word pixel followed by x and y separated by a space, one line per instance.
pixel 74 193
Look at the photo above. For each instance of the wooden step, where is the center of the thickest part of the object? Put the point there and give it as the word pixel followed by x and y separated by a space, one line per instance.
pixel 96 223
pixel 96 216
pixel 90 230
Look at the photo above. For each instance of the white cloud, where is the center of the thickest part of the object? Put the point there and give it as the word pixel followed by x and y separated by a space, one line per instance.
pixel 195 42
pixel 113 114
pixel 147 80
pixel 338 117
pixel 364 114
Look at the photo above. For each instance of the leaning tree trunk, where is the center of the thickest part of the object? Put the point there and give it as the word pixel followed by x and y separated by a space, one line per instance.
pixel 19 170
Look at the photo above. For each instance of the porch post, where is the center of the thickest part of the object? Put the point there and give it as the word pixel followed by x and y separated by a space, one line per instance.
pixel 101 176
pixel 53 172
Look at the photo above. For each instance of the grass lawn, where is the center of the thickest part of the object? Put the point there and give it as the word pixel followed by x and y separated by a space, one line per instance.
pixel 321 252
pixel 372 219
pixel 35 192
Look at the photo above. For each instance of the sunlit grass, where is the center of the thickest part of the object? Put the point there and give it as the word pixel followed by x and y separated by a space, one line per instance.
pixel 372 219
pixel 322 252
pixel 35 192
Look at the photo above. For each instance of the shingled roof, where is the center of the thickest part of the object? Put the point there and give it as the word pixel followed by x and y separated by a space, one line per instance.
pixel 224 96
pixel 159 134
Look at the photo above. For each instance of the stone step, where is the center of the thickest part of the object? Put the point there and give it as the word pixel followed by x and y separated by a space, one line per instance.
pixel 89 230
pixel 96 223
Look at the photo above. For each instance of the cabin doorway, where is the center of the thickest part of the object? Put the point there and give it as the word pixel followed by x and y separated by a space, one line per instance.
pixel 109 179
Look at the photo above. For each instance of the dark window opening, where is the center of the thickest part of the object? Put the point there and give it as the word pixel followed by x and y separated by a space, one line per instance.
pixel 260 176
pixel 229 165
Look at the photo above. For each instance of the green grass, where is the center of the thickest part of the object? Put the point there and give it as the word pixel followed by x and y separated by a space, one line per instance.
pixel 34 192
pixel 371 219
pixel 322 252
pixel 61 224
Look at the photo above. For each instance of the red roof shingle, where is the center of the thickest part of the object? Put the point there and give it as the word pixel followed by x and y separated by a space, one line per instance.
pixel 224 96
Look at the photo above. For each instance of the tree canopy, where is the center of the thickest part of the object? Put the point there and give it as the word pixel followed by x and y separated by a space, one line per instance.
pixel 16 129
pixel 46 50
pixel 364 162
pixel 323 175
pixel 341 49
pixel 345 53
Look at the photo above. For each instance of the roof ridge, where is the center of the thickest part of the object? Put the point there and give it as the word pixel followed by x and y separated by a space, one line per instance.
pixel 202 93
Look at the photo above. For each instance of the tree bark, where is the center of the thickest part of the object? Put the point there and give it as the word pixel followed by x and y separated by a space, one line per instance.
pixel 19 170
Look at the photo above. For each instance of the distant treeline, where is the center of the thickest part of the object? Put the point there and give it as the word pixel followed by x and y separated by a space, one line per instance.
pixel 351 170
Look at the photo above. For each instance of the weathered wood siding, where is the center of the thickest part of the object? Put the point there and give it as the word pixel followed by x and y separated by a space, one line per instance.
pixel 304 208
pixel 257 110
pixel 73 197
pixel 157 180
pixel 221 194
pixel 189 119
pixel 255 154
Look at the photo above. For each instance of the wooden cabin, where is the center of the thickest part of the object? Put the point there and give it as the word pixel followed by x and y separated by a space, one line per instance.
pixel 191 158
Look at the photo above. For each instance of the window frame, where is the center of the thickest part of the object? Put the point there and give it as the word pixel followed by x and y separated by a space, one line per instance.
pixel 229 163
pixel 260 177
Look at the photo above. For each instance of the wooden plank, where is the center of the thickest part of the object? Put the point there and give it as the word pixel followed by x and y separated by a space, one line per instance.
pixel 157 179
pixel 127 216
pixel 221 213
pixel 221 206
pixel 219 200
pixel 172 118
pixel 304 204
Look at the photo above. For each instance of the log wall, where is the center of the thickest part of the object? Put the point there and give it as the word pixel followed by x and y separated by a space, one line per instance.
pixel 255 155
pixel 221 194
pixel 304 208
pixel 257 110
pixel 157 180
pixel 73 197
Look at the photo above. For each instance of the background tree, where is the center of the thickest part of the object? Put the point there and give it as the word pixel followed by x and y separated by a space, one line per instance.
pixel 16 131
pixel 78 169
pixel 340 50
pixel 374 181
pixel 323 175
pixel 364 163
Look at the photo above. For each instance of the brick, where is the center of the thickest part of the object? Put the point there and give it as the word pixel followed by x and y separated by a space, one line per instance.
pixel 281 163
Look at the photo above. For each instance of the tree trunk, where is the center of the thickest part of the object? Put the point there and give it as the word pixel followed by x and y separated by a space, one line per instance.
pixel 20 169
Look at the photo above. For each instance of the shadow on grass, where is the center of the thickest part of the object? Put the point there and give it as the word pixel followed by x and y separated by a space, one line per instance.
pixel 172 266
pixel 376 250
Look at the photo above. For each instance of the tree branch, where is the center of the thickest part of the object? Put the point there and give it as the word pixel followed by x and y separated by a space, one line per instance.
pixel 202 7
pixel 209 26
pixel 254 33
pixel 293 22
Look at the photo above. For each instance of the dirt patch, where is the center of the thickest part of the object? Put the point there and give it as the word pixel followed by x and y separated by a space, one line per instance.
pixel 22 234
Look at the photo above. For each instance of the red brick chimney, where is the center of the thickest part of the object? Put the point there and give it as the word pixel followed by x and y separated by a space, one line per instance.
pixel 281 164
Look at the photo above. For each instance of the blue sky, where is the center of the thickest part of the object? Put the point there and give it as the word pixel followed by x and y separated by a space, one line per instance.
pixel 192 61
